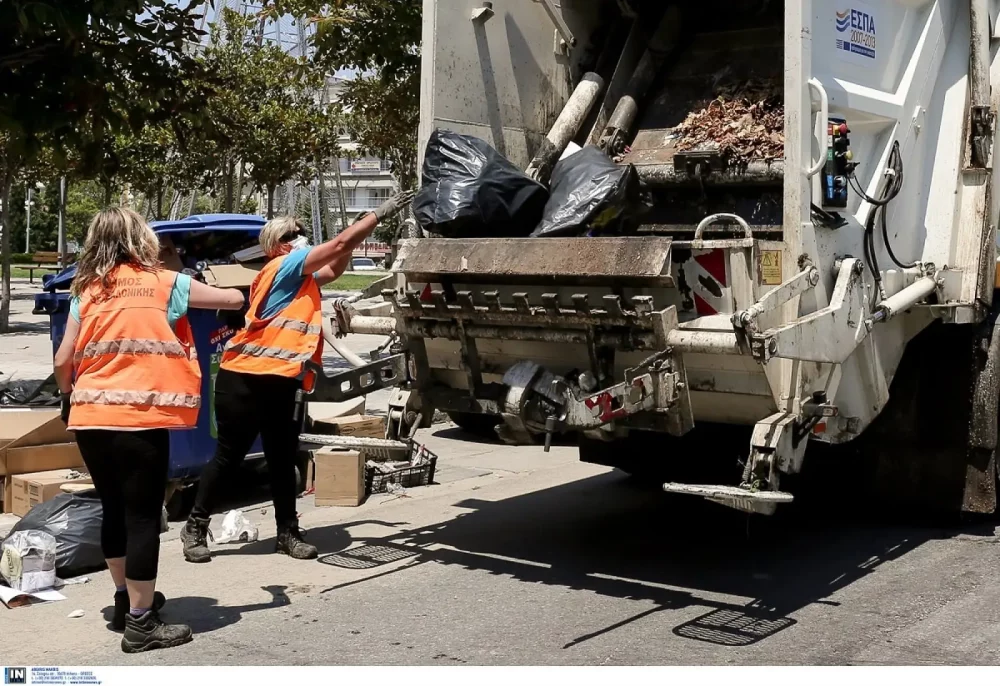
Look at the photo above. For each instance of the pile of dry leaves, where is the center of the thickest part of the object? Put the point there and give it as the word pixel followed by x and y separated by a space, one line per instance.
pixel 744 122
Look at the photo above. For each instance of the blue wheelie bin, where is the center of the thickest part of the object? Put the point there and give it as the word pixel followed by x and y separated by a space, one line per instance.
pixel 197 238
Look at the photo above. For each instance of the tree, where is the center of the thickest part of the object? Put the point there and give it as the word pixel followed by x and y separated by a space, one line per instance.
pixel 380 39
pixel 75 73
pixel 268 109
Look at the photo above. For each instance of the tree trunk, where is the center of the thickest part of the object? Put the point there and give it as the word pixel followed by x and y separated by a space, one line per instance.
pixel 5 183
pixel 324 199
pixel 108 191
pixel 270 202
pixel 63 190
pixel 229 166
pixel 343 207
pixel 158 212
pixel 239 185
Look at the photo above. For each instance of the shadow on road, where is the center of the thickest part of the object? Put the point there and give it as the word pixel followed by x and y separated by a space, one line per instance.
pixel 609 536
pixel 205 614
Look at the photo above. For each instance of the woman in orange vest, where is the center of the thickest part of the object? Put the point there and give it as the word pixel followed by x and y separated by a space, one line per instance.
pixel 128 372
pixel 262 369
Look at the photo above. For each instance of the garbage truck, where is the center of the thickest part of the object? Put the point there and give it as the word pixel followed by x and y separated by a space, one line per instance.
pixel 817 262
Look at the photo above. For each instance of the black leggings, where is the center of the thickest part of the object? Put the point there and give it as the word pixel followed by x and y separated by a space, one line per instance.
pixel 248 405
pixel 129 470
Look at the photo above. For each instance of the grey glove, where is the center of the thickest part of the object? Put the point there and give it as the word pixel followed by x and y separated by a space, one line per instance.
pixel 393 205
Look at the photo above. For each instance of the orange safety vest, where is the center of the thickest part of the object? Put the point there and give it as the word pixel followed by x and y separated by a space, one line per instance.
pixel 132 369
pixel 282 344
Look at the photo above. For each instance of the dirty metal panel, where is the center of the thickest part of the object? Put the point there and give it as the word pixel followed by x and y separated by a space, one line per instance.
pixel 630 261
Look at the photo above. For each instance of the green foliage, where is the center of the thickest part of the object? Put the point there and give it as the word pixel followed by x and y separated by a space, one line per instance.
pixel 74 71
pixel 381 40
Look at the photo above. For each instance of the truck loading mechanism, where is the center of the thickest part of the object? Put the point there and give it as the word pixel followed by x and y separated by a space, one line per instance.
pixel 822 203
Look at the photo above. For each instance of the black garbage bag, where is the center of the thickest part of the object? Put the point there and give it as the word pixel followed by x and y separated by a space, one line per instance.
pixel 471 191
pixel 591 196
pixel 74 520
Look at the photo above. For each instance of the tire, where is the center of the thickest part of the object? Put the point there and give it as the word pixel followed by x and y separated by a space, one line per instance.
pixel 482 425
pixel 918 447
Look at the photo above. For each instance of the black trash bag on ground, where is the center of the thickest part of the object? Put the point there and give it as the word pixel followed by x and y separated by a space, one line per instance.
pixel 471 191
pixel 74 520
pixel 591 196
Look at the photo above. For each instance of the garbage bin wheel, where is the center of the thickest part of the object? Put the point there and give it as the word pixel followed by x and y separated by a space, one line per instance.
pixel 481 425
pixel 302 463
pixel 181 503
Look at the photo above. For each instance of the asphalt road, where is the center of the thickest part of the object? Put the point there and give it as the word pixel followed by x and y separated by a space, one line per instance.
pixel 518 557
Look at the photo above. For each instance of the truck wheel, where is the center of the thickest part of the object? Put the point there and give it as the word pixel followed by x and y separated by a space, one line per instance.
pixel 919 445
pixel 482 425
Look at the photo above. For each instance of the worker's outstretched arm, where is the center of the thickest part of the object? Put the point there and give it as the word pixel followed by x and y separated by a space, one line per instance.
pixel 205 297
pixel 336 252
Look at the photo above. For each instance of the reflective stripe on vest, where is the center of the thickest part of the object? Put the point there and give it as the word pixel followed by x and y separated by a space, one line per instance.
pixel 254 350
pixel 134 346
pixel 139 398
pixel 294 325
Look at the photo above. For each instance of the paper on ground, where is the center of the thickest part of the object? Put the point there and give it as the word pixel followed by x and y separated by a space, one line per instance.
pixel 8 594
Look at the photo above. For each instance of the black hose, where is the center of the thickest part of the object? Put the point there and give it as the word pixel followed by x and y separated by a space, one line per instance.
pixel 877 211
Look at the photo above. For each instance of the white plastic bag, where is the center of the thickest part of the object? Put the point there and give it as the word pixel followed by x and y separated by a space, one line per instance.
pixel 28 561
pixel 236 528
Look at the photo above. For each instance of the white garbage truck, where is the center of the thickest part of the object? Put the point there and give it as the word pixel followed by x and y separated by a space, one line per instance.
pixel 817 262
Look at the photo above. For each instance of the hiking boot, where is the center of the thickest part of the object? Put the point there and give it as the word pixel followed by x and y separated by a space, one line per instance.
pixel 148 632
pixel 122 607
pixel 194 536
pixel 291 543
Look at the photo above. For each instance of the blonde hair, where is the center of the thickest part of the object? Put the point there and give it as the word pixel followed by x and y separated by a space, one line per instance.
pixel 270 235
pixel 116 236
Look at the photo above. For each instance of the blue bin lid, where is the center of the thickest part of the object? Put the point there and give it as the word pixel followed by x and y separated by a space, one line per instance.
pixel 250 223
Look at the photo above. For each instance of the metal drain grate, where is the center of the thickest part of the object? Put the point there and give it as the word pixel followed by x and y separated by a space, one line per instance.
pixel 368 556
pixel 730 627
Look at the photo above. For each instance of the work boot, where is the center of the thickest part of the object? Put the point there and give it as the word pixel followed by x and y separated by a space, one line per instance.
pixel 148 632
pixel 291 543
pixel 194 536
pixel 122 607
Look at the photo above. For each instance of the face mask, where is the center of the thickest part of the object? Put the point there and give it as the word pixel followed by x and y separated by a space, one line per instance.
pixel 300 243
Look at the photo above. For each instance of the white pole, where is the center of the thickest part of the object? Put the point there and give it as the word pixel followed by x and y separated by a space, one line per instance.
pixel 27 225
pixel 62 221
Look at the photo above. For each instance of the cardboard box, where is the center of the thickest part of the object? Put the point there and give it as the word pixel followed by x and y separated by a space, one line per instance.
pixel 364 426
pixel 340 478
pixel 33 441
pixel 28 490
pixel 232 275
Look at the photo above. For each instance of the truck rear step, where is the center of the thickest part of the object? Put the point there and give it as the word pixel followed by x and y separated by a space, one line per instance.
pixel 761 502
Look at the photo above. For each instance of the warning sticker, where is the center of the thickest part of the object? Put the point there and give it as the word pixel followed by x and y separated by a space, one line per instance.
pixel 770 267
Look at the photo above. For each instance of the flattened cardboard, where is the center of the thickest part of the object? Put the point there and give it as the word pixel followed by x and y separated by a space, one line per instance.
pixel 365 426
pixel 232 275
pixel 340 478
pixel 22 428
pixel 43 458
